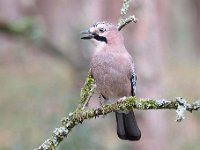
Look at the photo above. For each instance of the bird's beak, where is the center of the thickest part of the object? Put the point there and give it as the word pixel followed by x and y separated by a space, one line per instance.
pixel 87 34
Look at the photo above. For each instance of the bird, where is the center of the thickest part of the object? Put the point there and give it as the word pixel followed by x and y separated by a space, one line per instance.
pixel 113 70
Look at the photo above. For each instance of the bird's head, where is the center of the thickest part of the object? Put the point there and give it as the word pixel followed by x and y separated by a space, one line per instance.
pixel 102 33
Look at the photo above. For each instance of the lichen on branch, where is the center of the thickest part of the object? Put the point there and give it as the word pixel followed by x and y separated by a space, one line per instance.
pixel 125 103
pixel 123 22
pixel 86 91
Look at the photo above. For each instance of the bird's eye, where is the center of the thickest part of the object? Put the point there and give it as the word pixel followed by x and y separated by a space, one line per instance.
pixel 102 30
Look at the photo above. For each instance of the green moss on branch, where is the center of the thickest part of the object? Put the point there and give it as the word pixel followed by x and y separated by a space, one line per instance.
pixel 125 103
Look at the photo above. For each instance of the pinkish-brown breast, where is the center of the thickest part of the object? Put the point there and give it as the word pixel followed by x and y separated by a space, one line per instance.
pixel 112 73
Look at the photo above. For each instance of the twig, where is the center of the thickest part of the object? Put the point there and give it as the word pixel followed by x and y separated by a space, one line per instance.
pixel 123 22
pixel 126 21
pixel 90 93
pixel 86 91
pixel 124 9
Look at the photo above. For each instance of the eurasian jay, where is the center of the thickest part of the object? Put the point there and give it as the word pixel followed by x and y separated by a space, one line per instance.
pixel 114 73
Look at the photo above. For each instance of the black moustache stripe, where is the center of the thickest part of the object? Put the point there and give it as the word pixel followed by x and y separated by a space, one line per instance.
pixel 100 38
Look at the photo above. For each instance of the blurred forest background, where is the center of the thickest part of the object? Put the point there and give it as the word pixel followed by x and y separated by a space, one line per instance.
pixel 43 64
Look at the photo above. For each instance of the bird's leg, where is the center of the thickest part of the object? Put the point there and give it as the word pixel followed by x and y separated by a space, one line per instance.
pixel 133 78
pixel 133 83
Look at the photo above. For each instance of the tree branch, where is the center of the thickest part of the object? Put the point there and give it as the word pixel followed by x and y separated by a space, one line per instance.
pixel 124 9
pixel 123 22
pixel 125 103
pixel 86 91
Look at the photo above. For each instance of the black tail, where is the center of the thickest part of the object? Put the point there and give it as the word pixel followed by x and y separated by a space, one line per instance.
pixel 127 128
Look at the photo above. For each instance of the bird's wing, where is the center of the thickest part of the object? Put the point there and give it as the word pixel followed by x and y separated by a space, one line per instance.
pixel 133 82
